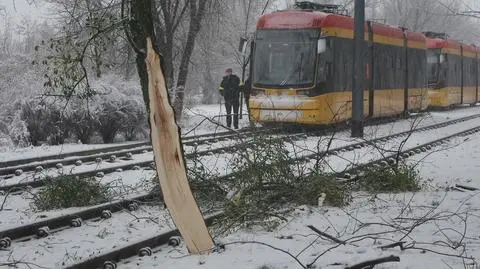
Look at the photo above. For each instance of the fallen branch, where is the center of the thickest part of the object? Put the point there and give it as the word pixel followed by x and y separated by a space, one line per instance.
pixel 15 264
pixel 372 263
pixel 7 194
pixel 468 188
pixel 397 244
pixel 336 240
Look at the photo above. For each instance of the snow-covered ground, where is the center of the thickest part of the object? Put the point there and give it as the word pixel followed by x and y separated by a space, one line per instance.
pixel 440 228
pixel 46 150
pixel 70 246
pixel 204 119
pixel 365 224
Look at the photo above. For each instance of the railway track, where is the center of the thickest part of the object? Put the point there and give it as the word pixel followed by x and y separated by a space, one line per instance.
pixel 39 182
pixel 106 210
pixel 9 168
pixel 30 164
pixel 110 259
pixel 229 149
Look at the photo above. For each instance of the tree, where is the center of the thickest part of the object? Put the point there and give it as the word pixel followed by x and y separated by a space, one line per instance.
pixel 83 51
pixel 165 134
pixel 7 35
pixel 197 11
pixel 218 41
pixel 431 15
pixel 169 18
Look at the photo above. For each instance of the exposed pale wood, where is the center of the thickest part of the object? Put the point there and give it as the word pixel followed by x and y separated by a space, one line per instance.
pixel 170 163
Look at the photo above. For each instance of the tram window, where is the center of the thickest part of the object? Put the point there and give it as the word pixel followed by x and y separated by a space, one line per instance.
pixel 443 58
pixel 321 70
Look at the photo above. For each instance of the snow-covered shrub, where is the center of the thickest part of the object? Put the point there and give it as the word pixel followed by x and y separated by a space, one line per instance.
pixel 82 122
pixel 110 119
pixel 18 132
pixel 5 142
pixel 134 118
pixel 45 122
pixel 12 127
pixel 3 127
pixel 120 100
pixel 58 129
pixel 37 118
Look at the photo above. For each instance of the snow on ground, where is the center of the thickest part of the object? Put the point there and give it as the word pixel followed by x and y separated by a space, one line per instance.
pixel 205 119
pixel 342 161
pixel 440 228
pixel 458 164
pixel 365 226
pixel 380 218
pixel 46 150
pixel 94 236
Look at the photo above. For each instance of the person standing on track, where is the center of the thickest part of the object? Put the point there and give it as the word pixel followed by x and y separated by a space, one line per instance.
pixel 230 90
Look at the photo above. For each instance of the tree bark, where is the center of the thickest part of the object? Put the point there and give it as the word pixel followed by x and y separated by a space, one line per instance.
pixel 196 16
pixel 170 161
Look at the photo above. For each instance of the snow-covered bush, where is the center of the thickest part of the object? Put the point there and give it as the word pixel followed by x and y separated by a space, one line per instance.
pixel 82 122
pixel 5 142
pixel 45 122
pixel 134 118
pixel 12 128
pixel 110 119
pixel 58 130
pixel 120 101
pixel 36 116
pixel 18 132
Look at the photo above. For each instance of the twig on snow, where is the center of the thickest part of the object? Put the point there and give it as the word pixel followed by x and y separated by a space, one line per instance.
pixel 372 263
pixel 336 240
pixel 397 244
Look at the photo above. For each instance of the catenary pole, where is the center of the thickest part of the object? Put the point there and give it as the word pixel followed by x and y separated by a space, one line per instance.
pixel 359 70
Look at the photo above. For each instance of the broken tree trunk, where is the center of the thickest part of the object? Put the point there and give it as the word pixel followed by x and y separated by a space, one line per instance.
pixel 170 163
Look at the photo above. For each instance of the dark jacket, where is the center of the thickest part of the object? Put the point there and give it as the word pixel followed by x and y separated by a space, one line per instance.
pixel 230 88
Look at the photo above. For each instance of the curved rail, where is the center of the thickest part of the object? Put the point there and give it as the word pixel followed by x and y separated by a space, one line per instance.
pixel 110 259
pixel 64 222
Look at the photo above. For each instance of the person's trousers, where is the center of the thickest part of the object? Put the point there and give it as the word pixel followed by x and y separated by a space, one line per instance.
pixel 228 106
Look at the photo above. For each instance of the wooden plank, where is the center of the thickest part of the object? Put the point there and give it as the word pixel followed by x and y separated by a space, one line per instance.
pixel 170 163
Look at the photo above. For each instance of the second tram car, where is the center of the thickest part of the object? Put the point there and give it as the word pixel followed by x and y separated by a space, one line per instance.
pixel 453 71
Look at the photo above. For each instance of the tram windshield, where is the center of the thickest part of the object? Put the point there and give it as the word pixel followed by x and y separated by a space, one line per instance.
pixel 285 58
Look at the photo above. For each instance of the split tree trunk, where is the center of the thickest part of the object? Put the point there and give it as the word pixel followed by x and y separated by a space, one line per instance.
pixel 170 163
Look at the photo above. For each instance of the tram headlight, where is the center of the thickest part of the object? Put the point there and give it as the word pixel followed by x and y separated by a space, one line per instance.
pixel 304 92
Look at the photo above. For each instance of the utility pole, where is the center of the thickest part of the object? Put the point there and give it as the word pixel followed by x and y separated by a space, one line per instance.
pixel 244 60
pixel 359 70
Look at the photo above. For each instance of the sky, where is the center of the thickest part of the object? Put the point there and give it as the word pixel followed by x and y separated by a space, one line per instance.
pixel 17 9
